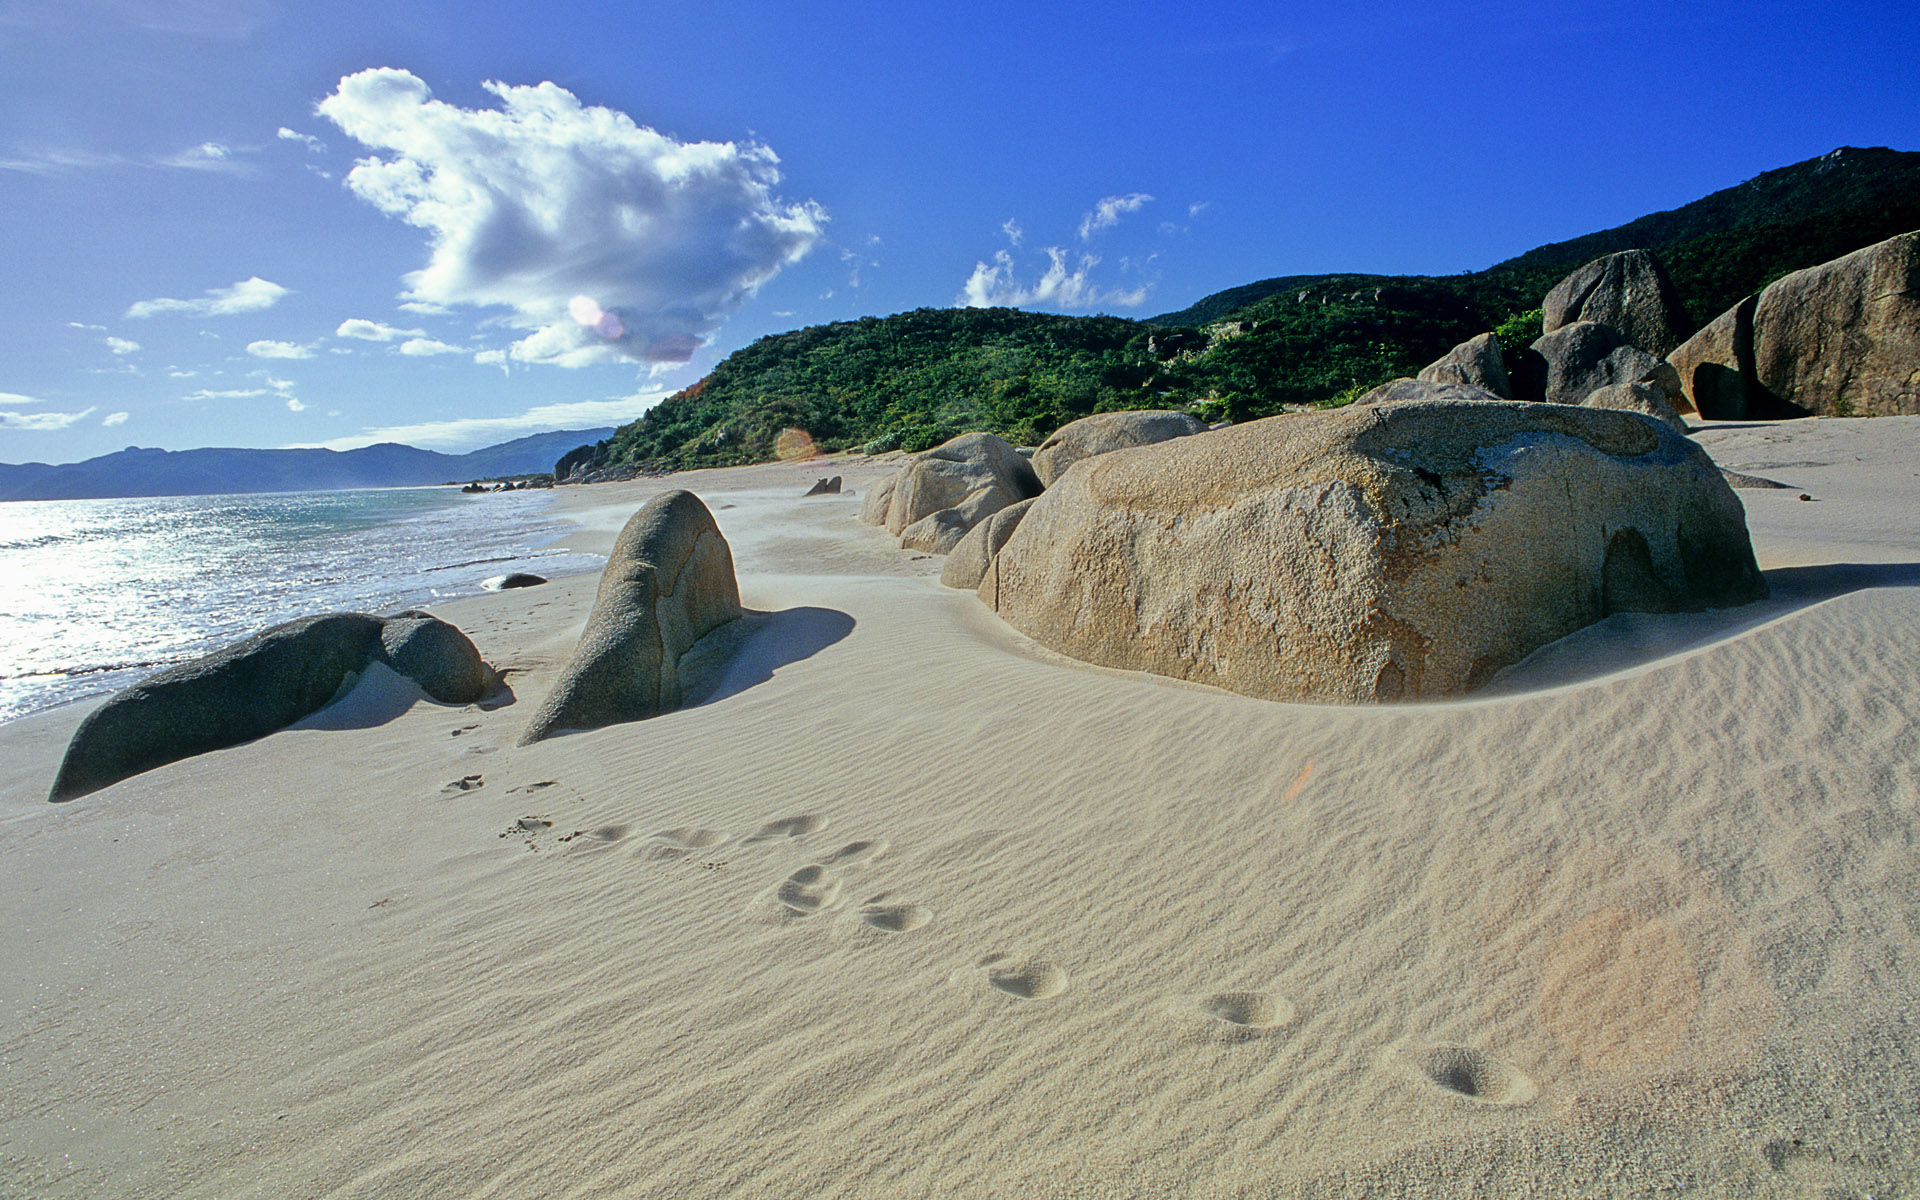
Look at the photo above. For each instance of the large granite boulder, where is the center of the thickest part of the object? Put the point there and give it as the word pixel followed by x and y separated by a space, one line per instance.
pixel 1839 339
pixel 1404 391
pixel 1475 363
pixel 1368 554
pixel 1715 365
pixel 1843 338
pixel 257 686
pixel 668 583
pixel 1629 291
pixel 968 562
pixel 957 484
pixel 1102 432
pixel 1573 362
pixel 1647 399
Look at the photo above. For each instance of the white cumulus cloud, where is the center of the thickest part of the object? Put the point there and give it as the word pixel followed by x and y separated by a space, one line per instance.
pixel 249 295
pixel 122 345
pixel 39 422
pixel 422 347
pixel 545 202
pixel 993 285
pixel 267 348
pixel 374 331
pixel 294 405
pixel 1107 213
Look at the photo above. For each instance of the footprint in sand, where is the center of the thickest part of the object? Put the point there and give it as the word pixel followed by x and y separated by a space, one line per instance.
pixel 463 729
pixel 1248 1010
pixel 786 828
pixel 1473 1074
pixel 858 854
pixel 1029 979
pixel 605 835
pixel 464 784
pixel 809 890
pixel 532 787
pixel 894 918
pixel 683 838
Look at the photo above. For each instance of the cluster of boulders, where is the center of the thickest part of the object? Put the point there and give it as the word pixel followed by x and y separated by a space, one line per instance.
pixel 1586 354
pixel 509 485
pixel 941 496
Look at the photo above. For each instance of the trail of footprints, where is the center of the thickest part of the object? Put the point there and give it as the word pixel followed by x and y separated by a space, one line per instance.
pixel 1463 1072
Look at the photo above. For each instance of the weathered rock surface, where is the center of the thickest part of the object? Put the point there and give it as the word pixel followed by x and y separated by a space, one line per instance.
pixel 581 461
pixel 1843 338
pixel 824 487
pixel 1380 553
pixel 967 564
pixel 1571 363
pixel 973 475
pixel 1103 432
pixel 257 686
pixel 1628 291
pixel 1647 399
pixel 668 582
pixel 1476 363
pixel 1404 391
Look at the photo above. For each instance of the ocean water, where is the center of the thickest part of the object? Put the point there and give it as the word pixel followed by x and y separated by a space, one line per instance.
pixel 95 594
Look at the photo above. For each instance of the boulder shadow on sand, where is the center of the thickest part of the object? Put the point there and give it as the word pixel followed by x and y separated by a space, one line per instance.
pixel 750 651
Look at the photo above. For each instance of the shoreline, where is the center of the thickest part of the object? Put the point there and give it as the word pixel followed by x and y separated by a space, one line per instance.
pixel 1651 926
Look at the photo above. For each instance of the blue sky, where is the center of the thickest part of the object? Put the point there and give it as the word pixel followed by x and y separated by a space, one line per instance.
pixel 269 222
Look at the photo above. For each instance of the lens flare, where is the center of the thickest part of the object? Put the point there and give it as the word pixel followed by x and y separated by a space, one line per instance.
pixel 586 310
pixel 795 445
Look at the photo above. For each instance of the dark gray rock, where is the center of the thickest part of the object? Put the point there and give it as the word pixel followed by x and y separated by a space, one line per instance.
pixel 1475 363
pixel 513 579
pixel 260 685
pixel 1571 363
pixel 1629 291
pixel 668 583
pixel 580 461
pixel 825 487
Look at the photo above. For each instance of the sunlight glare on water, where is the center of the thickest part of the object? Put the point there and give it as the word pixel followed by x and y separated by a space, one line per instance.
pixel 97 593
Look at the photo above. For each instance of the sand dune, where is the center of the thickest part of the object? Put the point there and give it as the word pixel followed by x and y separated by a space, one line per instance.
pixel 905 905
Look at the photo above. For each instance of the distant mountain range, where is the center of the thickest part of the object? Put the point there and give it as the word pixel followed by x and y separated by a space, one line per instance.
pixel 139 472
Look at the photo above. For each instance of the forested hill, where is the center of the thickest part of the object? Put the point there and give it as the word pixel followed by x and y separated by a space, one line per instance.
pixel 914 379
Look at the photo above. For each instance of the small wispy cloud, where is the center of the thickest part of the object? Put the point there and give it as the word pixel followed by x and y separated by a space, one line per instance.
pixel 114 418
pixel 313 144
pixel 471 432
pixel 364 330
pixel 84 325
pixel 294 405
pixel 122 345
pixel 249 295
pixel 37 422
pixel 207 156
pixel 1062 285
pixel 1107 213
pixel 422 347
pixel 1015 234
pixel 268 348
pixel 226 394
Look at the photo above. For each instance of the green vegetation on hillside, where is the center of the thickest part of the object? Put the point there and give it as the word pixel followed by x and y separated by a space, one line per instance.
pixel 915 379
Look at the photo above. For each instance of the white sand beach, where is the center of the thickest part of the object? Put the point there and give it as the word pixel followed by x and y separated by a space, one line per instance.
pixel 906 905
